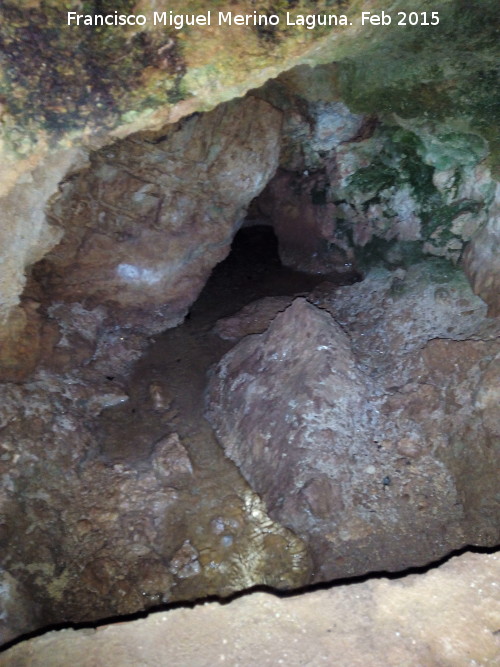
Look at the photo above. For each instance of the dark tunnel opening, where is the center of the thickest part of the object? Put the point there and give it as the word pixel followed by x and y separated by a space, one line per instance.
pixel 169 379
pixel 253 270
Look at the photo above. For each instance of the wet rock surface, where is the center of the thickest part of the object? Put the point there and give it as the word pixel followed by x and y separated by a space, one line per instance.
pixel 354 190
pixel 410 188
pixel 305 222
pixel 481 257
pixel 371 434
pixel 448 616
pixel 66 92
pixel 116 496
pixel 254 318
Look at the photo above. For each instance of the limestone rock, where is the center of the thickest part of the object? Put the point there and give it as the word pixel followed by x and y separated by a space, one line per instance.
pixel 334 124
pixel 20 342
pixel 379 193
pixel 185 562
pixel 304 222
pixel 19 611
pixel 145 224
pixel 371 437
pixel 66 91
pixel 25 235
pixel 90 532
pixel 113 83
pixel 448 616
pixel 171 460
pixel 398 201
pixel 117 203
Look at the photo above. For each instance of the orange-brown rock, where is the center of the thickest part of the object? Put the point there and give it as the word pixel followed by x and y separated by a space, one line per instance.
pixel 20 343
pixel 254 318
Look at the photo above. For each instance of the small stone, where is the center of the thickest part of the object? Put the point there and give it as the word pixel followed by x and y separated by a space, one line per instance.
pixel 160 399
pixel 185 562
pixel 171 460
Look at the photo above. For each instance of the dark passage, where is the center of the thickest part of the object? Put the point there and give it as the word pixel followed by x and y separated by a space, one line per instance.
pixel 166 399
pixel 166 387
pixel 251 271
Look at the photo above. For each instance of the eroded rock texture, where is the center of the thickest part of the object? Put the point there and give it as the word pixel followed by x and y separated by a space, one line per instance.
pixel 253 318
pixel 86 536
pixel 357 189
pixel 296 201
pixel 116 496
pixel 372 434
pixel 146 223
pixel 140 229
pixel 67 91
pixel 482 256
pixel 449 616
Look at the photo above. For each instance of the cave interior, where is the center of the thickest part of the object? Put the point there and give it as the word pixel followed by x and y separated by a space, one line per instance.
pixel 260 354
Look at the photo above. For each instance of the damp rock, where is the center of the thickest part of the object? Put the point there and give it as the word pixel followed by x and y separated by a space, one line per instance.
pixel 185 562
pixel 145 234
pixel 159 395
pixel 481 262
pixel 18 608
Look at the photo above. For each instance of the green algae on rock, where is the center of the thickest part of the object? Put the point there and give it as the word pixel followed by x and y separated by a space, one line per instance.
pixel 448 72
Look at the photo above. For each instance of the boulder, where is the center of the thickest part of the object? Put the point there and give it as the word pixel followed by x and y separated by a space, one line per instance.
pixel 372 435
pixel 253 318
pixel 144 225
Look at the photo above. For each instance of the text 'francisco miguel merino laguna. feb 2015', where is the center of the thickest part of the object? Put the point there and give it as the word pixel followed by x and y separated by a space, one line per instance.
pixel 209 18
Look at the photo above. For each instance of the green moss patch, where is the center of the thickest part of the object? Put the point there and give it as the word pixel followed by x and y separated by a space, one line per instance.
pixel 400 164
pixel 433 72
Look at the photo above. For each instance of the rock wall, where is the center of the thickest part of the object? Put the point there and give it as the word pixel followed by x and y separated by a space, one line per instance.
pixel 373 435
pixel 140 227
pixel 365 189
pixel 119 197
pixel 481 257
pixel 401 192
pixel 66 91
pixel 150 217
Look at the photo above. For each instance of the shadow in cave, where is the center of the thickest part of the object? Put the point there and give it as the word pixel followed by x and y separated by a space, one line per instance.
pixel 160 440
pixel 166 387
pixel 251 271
